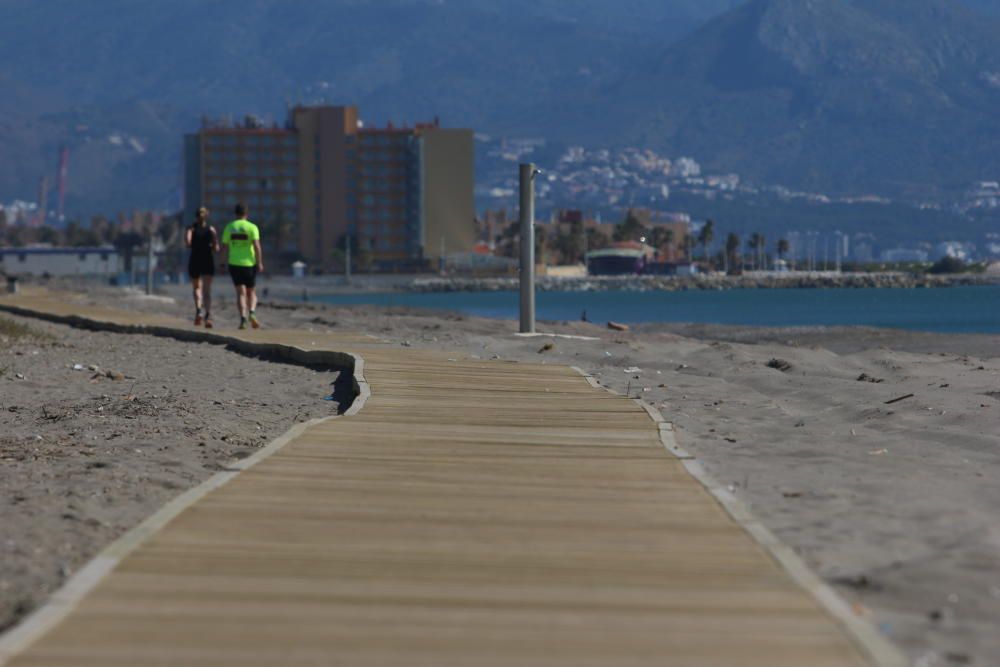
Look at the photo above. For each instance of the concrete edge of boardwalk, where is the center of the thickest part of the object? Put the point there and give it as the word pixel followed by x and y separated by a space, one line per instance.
pixel 881 651
pixel 878 649
pixel 65 599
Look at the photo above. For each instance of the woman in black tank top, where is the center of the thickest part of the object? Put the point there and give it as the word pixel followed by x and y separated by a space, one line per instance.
pixel 203 241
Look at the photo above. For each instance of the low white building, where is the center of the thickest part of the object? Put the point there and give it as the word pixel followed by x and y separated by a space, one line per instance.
pixel 956 249
pixel 904 255
pixel 41 261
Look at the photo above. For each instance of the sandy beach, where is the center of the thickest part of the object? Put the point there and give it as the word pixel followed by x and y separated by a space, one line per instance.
pixel 873 453
pixel 99 430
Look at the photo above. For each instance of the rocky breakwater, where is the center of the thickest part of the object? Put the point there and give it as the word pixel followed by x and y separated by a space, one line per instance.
pixel 704 282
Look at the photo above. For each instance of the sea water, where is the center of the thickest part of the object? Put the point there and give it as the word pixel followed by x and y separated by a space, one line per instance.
pixel 952 309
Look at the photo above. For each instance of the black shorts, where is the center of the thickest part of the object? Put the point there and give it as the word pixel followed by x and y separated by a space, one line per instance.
pixel 201 266
pixel 243 275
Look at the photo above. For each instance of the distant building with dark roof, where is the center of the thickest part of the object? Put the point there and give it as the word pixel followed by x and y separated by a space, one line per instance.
pixel 46 260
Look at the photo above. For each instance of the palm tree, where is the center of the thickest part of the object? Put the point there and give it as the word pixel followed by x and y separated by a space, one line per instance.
pixel 689 243
pixel 629 229
pixel 783 247
pixel 732 254
pixel 754 244
pixel 705 237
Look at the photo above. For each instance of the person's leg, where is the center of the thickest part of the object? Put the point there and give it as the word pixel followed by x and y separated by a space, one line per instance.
pixel 241 293
pixel 252 305
pixel 197 293
pixel 237 276
pixel 207 299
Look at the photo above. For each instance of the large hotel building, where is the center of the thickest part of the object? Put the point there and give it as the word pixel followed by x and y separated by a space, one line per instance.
pixel 404 193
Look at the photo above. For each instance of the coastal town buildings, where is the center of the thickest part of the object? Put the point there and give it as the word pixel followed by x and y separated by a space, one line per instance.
pixel 401 196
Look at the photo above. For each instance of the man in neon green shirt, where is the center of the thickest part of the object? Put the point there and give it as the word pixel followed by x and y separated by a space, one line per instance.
pixel 245 257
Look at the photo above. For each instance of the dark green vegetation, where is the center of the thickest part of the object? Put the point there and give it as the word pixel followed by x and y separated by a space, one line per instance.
pixel 893 97
pixel 12 332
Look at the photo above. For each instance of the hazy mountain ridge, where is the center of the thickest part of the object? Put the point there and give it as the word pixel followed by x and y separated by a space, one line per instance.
pixel 890 96
pixel 830 95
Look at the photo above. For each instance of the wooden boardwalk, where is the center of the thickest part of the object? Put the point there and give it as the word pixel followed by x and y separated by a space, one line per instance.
pixel 470 513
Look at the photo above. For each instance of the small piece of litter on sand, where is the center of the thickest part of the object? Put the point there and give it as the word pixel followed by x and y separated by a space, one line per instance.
pixel 77 367
pixel 878 452
pixel 897 400
pixel 864 377
pixel 633 369
pixel 792 494
pixel 545 348
pixel 616 326
pixel 780 365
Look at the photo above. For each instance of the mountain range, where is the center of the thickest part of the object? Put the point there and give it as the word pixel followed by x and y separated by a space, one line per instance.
pixel 894 97
pixel 897 97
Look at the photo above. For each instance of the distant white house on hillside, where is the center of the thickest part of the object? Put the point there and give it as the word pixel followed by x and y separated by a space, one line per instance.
pixel 42 260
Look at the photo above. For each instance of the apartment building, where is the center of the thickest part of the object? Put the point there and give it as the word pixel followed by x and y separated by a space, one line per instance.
pixel 404 195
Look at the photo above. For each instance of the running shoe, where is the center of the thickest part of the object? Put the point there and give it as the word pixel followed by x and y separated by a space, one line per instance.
pixel 253 321
pixel 243 324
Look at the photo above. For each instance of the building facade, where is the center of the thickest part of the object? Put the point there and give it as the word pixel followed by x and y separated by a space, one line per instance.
pixel 401 195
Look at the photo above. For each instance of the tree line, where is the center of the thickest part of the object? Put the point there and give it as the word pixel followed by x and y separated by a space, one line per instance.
pixel 568 243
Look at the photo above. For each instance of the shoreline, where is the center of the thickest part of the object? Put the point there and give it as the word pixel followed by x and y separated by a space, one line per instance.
pixel 640 283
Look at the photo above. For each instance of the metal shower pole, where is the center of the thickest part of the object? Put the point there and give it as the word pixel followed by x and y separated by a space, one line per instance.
pixel 527 274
